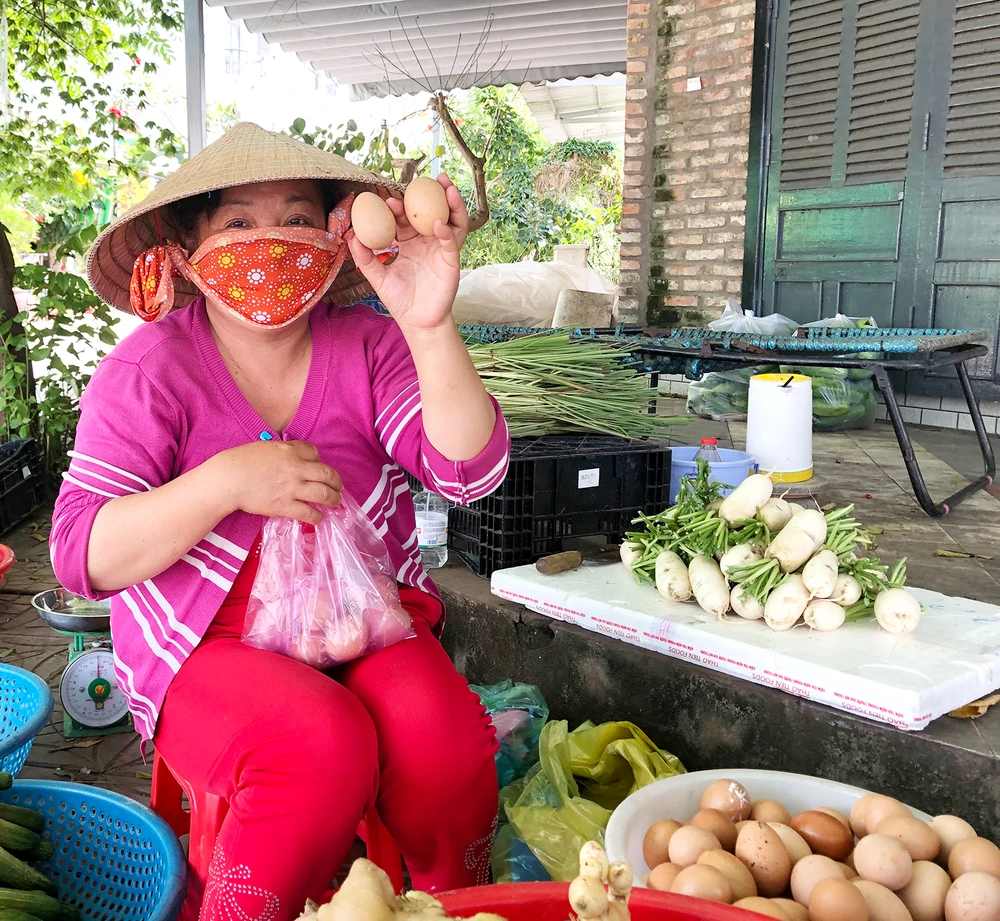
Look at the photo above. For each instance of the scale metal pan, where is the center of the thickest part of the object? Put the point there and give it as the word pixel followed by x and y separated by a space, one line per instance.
pixel 70 613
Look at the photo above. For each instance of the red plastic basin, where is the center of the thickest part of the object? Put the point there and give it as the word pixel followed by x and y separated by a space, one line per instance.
pixel 550 902
pixel 7 559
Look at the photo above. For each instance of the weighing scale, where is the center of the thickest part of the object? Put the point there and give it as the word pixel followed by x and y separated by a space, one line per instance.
pixel 93 704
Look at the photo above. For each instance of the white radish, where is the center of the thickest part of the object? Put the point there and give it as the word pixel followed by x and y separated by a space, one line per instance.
pixel 672 580
pixel 897 611
pixel 749 496
pixel 631 554
pixel 747 606
pixel 820 574
pixel 798 540
pixel 776 514
pixel 710 587
pixel 740 555
pixel 786 604
pixel 796 508
pixel 823 615
pixel 847 591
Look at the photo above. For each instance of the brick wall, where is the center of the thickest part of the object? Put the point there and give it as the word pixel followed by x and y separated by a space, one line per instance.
pixel 685 158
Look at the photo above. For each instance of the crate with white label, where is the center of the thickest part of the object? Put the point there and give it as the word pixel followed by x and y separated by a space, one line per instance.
pixel 559 487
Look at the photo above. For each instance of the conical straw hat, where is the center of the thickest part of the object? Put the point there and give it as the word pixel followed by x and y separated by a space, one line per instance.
pixel 244 154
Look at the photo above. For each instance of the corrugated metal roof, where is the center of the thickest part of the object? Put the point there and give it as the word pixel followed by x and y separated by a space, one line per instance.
pixel 584 109
pixel 442 44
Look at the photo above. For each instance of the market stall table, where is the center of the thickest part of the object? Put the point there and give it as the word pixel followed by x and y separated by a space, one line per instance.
pixel 695 352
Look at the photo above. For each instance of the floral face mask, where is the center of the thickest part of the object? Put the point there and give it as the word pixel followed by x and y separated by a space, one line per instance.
pixel 268 276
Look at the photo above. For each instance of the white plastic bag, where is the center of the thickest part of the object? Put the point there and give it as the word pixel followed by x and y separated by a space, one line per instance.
pixel 734 320
pixel 841 321
pixel 523 294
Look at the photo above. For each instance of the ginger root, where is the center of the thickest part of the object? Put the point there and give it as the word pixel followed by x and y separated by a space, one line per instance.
pixel 587 895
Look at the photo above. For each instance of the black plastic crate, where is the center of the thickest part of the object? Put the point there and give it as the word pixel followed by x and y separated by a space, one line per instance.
pixel 558 487
pixel 21 486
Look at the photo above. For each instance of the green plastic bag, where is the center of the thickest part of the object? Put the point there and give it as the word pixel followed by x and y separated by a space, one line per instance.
pixel 568 797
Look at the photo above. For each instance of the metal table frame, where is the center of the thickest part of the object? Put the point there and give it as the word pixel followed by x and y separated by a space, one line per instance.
pixel 697 361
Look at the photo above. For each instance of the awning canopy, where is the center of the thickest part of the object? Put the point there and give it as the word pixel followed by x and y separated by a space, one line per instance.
pixel 412 46
pixel 590 110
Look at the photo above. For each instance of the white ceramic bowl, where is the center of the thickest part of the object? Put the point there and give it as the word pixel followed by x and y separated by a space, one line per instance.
pixel 678 798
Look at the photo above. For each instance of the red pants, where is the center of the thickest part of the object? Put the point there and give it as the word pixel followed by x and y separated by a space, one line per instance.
pixel 300 756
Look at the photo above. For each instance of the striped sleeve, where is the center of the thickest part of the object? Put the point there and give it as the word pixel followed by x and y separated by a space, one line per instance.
pixel 126 443
pixel 399 428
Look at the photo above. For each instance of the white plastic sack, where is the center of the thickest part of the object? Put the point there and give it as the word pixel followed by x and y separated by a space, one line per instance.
pixel 522 293
pixel 734 320
pixel 841 321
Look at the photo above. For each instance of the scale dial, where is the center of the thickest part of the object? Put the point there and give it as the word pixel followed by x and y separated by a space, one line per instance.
pixel 89 691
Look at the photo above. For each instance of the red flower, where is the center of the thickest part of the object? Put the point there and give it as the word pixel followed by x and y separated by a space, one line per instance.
pixel 116 112
pixel 137 62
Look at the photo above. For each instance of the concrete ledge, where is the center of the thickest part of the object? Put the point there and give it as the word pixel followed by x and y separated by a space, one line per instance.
pixel 711 720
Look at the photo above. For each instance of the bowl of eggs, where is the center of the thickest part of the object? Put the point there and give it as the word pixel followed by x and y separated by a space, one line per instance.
pixel 799 848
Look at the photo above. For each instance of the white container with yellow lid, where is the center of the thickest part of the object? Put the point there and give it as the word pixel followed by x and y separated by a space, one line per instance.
pixel 779 426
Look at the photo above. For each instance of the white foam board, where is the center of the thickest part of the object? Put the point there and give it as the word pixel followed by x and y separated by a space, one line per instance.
pixel 952 658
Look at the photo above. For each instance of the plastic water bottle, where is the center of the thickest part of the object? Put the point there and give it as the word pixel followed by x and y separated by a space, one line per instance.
pixel 709 451
pixel 432 528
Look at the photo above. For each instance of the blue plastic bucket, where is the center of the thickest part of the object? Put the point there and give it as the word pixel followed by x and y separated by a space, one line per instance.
pixel 735 467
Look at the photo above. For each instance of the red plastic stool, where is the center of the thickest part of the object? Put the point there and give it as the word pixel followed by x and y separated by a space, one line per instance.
pixel 204 821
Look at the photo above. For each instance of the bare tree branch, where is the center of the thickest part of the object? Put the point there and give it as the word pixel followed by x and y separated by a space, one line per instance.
pixel 481 212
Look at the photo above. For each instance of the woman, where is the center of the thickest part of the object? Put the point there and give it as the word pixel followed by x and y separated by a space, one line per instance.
pixel 258 400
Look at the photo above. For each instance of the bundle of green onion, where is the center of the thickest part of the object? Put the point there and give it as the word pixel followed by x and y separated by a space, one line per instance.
pixel 550 384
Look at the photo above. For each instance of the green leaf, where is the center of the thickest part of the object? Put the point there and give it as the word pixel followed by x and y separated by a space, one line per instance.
pixel 299 125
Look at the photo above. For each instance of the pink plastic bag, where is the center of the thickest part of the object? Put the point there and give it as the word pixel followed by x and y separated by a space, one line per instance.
pixel 327 594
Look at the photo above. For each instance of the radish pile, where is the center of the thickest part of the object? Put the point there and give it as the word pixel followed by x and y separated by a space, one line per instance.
pixel 754 554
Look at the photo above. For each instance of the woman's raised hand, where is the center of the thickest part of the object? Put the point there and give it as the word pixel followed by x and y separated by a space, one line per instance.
pixel 283 479
pixel 418 287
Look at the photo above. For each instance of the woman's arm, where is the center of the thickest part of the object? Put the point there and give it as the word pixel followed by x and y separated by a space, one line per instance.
pixel 136 537
pixel 458 415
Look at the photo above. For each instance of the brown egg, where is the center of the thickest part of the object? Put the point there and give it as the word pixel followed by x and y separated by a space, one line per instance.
pixel 425 202
pixel 883 905
pixel 973 897
pixel 879 809
pixel 808 872
pixel 849 872
pixel 924 895
pixel 794 910
pixel 839 816
pixel 950 829
pixel 729 797
pixel 719 824
pixel 734 870
pixel 884 860
pixel 794 843
pixel 760 848
pixel 768 811
pixel 739 826
pixel 918 837
pixel 687 844
pixel 374 224
pixel 837 900
pixel 859 812
pixel 824 834
pixel 703 882
pixel 762 907
pixel 974 855
pixel 656 842
pixel 662 877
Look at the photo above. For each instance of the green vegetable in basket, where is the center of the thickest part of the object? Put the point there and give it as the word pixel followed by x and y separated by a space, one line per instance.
pixel 26 818
pixel 18 875
pixel 42 906
pixel 17 838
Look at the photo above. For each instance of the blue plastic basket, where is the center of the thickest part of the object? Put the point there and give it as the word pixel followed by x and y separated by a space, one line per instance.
pixel 114 859
pixel 25 707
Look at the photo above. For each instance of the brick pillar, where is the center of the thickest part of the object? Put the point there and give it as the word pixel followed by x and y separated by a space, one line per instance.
pixel 640 79
pixel 686 156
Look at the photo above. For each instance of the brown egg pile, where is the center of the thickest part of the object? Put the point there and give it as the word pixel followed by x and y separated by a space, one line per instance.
pixel 881 863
